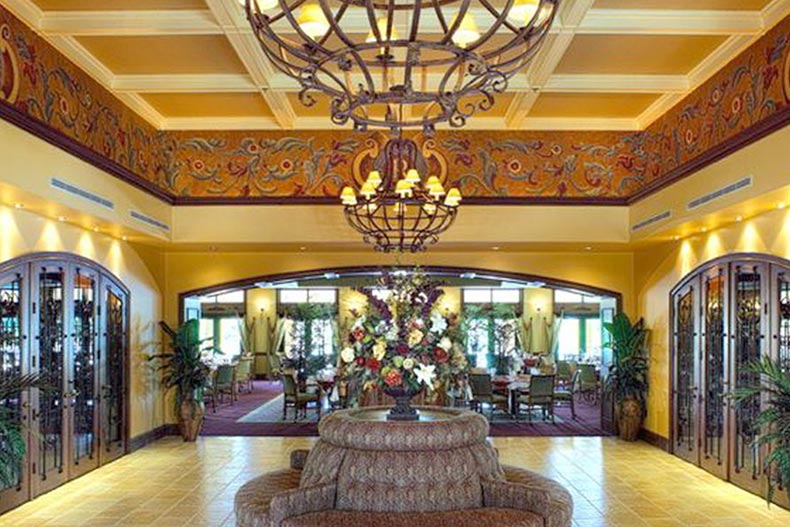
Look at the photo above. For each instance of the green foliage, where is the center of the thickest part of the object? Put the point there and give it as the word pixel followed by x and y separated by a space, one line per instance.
pixel 300 357
pixel 499 356
pixel 774 419
pixel 182 365
pixel 628 374
pixel 12 437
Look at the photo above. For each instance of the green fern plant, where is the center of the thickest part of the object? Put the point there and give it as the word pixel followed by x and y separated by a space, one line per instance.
pixel 12 432
pixel 627 377
pixel 774 419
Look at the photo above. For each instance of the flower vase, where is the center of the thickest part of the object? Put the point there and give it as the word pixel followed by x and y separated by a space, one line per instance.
pixel 402 411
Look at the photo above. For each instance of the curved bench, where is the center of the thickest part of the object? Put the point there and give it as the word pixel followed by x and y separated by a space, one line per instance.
pixel 364 473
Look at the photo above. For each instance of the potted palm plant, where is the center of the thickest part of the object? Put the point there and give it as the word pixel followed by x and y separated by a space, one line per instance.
pixel 184 370
pixel 773 420
pixel 627 379
pixel 12 433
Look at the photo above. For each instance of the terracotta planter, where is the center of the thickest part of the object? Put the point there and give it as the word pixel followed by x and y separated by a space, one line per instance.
pixel 629 419
pixel 191 419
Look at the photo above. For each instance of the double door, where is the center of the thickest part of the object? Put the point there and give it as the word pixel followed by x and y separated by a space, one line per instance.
pixel 725 317
pixel 66 320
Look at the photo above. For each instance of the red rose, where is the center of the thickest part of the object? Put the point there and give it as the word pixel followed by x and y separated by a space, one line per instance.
pixel 373 364
pixel 358 334
pixel 393 378
pixel 402 349
pixel 441 355
pixel 360 361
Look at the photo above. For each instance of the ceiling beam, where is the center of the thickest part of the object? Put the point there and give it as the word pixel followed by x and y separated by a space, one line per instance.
pixel 126 23
pixel 614 83
pixel 184 83
pixel 671 22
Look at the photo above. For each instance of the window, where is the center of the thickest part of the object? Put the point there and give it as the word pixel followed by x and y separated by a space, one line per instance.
pixel 493 332
pixel 316 339
pixel 580 338
pixel 219 324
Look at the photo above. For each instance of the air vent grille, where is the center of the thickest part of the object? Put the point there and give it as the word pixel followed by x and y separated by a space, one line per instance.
pixel 652 219
pixel 716 194
pixel 81 193
pixel 153 222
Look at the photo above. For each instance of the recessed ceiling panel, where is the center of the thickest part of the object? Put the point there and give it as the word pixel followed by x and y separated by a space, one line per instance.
pixel 592 105
pixel 118 5
pixel 209 104
pixel 637 54
pixel 724 5
pixel 165 54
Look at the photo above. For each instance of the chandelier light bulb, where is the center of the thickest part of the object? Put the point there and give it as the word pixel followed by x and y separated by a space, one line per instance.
pixel 367 190
pixel 467 32
pixel 403 189
pixel 432 182
pixel 348 196
pixel 313 21
pixel 430 208
pixel 453 198
pixel 523 11
pixel 374 178
pixel 412 176
pixel 437 191
pixel 381 24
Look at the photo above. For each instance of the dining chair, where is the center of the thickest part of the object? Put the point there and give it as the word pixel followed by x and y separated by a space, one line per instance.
pixel 589 387
pixel 564 373
pixel 223 382
pixel 244 374
pixel 483 393
pixel 566 393
pixel 296 399
pixel 540 395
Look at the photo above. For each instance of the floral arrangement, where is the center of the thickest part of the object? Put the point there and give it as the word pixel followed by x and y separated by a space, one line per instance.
pixel 403 341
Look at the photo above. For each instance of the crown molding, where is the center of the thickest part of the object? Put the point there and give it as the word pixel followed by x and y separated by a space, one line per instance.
pixel 184 83
pixel 580 124
pixel 563 82
pixel 671 22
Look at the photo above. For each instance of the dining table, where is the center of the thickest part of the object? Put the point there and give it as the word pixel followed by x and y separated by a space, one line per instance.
pixel 513 386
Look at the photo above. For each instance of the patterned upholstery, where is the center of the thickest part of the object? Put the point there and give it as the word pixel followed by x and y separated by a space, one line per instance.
pixel 467 518
pixel 370 473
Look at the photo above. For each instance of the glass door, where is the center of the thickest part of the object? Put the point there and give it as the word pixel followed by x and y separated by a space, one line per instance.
pixel 81 395
pixel 112 363
pixel 15 481
pixel 48 356
pixel 748 330
pixel 685 392
pixel 780 347
pixel 713 401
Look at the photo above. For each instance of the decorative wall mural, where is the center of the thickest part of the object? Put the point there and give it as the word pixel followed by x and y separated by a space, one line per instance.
pixel 564 166
pixel 9 67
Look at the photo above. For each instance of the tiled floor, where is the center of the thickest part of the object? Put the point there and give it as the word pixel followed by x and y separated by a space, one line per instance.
pixel 614 484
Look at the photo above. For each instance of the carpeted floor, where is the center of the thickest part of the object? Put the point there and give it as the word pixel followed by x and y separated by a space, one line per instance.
pixel 260 414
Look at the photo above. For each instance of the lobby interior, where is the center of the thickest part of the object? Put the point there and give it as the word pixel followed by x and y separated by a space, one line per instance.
pixel 637 165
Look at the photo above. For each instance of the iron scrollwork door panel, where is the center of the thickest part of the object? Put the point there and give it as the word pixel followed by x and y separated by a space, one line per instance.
pixel 48 355
pixel 747 345
pixel 82 392
pixel 714 386
pixel 15 485
pixel 113 357
pixel 779 308
pixel 685 396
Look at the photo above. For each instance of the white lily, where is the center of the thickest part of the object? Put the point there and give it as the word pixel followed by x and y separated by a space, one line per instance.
pixel 446 344
pixel 425 374
pixel 347 354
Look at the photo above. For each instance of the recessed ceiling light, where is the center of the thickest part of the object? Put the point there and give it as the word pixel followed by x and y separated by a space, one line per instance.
pixel 124 238
pixel 61 218
pixel 676 237
pixel 303 248
pixel 781 205
pixel 19 205
pixel 495 248
pixel 96 229
pixel 739 218
pixel 704 229
pixel 588 248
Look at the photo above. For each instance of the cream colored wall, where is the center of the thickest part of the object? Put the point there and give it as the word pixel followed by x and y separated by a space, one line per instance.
pixel 24 232
pixel 662 267
pixel 539 308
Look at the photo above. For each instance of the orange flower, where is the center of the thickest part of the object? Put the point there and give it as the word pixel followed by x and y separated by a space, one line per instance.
pixel 393 378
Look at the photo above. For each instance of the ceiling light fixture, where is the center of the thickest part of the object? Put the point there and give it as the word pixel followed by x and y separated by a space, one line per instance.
pixel 739 218
pixel 61 219
pixel 401 63
pixel 395 211
pixel 781 205
pixel 19 205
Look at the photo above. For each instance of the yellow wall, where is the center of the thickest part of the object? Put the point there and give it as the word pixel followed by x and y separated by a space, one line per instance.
pixel 664 266
pixel 24 232
pixel 261 305
pixel 539 308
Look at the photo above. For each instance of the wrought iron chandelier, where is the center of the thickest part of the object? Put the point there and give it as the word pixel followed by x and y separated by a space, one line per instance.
pixel 401 63
pixel 395 210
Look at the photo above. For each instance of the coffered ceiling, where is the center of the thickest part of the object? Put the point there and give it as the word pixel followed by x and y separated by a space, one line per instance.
pixel 194 64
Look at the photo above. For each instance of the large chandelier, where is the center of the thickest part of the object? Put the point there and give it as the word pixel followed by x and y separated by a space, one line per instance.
pixel 400 63
pixel 394 209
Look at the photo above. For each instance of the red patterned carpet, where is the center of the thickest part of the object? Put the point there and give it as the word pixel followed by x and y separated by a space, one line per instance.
pixel 226 420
